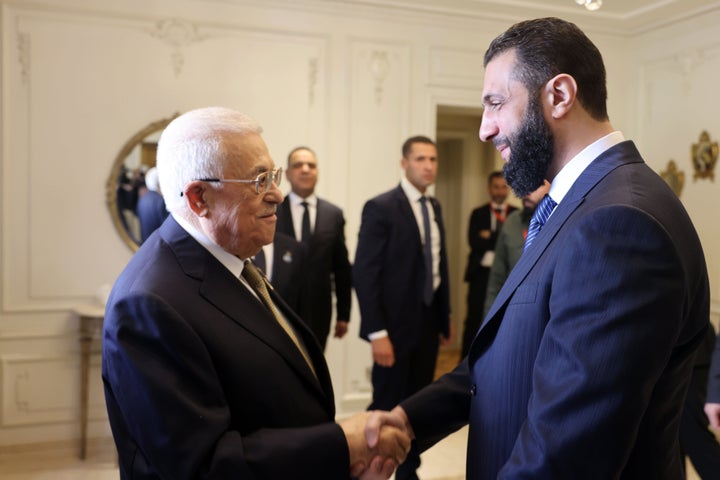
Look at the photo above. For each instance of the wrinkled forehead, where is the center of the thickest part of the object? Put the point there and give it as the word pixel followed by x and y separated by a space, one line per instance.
pixel 245 155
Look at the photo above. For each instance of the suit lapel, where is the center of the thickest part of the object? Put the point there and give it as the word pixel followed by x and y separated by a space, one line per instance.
pixel 407 216
pixel 284 214
pixel 224 291
pixel 612 158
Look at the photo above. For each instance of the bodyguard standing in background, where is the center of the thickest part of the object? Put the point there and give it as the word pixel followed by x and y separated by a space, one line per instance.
pixel 321 226
pixel 485 225
pixel 401 281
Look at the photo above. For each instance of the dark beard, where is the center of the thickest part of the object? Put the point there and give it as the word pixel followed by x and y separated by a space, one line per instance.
pixel 531 151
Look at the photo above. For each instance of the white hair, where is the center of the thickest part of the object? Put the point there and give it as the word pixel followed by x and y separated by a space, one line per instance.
pixel 192 147
pixel 151 179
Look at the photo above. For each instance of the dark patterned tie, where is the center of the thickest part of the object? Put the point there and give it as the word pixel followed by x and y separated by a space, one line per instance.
pixel 542 212
pixel 305 232
pixel 427 254
pixel 257 282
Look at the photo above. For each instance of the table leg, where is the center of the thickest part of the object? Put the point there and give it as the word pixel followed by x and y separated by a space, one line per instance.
pixel 85 347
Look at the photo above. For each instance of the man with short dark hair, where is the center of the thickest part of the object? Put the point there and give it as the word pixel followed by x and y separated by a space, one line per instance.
pixel 401 280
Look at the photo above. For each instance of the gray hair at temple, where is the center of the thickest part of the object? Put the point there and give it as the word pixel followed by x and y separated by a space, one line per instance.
pixel 192 147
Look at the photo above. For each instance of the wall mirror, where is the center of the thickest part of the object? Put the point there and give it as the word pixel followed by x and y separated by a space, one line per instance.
pixel 126 183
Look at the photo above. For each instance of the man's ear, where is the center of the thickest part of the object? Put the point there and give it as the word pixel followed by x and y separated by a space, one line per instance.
pixel 561 94
pixel 194 194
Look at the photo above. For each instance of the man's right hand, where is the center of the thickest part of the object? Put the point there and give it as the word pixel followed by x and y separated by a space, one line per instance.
pixel 383 352
pixel 379 419
pixel 389 448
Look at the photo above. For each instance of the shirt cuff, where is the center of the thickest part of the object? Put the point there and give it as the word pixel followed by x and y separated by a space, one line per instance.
pixel 379 334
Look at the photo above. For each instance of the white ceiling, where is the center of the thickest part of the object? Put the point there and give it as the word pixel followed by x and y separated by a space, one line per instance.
pixel 615 16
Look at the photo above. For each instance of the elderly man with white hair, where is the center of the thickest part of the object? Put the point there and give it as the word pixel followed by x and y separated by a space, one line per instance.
pixel 207 372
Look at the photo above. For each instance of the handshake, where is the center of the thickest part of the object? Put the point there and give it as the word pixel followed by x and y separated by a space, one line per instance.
pixel 378 442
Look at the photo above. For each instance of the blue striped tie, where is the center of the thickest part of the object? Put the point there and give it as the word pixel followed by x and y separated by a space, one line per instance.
pixel 542 212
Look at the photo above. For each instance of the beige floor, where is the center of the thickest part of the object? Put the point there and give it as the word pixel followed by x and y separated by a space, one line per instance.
pixel 445 461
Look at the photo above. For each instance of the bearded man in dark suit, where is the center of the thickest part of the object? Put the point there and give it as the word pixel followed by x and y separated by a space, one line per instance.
pixel 582 364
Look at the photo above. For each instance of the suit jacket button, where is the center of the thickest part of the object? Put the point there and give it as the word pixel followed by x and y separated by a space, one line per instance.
pixel 473 390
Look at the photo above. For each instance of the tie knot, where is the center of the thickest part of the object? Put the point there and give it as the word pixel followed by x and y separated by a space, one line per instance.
pixel 252 275
pixel 304 204
pixel 545 208
pixel 542 213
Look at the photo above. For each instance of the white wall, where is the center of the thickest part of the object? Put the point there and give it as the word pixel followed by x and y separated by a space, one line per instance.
pixel 675 98
pixel 79 77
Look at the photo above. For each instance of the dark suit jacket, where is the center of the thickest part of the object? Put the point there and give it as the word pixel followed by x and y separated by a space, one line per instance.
pixel 582 363
pixel 480 219
pixel 389 270
pixel 202 382
pixel 326 262
pixel 289 270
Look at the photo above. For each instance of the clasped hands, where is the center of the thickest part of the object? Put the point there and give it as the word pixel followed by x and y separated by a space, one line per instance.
pixel 378 442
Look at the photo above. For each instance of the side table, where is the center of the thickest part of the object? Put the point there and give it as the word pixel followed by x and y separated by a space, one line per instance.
pixel 90 331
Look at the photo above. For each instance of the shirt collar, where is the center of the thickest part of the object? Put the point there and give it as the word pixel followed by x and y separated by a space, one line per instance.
pixel 412 193
pixel 566 177
pixel 230 261
pixel 296 199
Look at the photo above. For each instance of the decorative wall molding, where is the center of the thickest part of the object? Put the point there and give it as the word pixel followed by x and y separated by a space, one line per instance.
pixel 312 79
pixel 23 44
pixel 457 67
pixel 379 67
pixel 45 389
pixel 178 34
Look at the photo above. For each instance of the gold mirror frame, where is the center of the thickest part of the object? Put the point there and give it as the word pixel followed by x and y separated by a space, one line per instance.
pixel 112 182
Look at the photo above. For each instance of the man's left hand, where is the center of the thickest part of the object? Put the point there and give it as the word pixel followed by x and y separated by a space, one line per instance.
pixel 341 328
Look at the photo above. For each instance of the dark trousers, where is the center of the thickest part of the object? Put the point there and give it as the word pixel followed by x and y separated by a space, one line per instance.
pixel 696 441
pixel 477 286
pixel 414 369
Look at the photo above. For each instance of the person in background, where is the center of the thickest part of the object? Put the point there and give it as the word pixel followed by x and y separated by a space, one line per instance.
pixel 207 372
pixel 486 223
pixel 150 210
pixel 321 226
pixel 401 281
pixel 697 442
pixel 283 262
pixel 581 367
pixel 712 405
pixel 510 243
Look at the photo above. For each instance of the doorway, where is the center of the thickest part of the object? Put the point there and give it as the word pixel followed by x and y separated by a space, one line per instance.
pixel 461 186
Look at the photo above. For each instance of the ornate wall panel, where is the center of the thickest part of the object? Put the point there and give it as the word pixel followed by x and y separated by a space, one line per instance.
pixel 456 67
pixel 45 389
pixel 78 85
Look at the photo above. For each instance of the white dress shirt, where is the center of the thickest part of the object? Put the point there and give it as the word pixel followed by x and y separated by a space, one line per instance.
pixel 297 210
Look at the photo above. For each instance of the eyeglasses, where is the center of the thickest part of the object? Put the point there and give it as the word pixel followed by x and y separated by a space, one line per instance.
pixel 262 182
